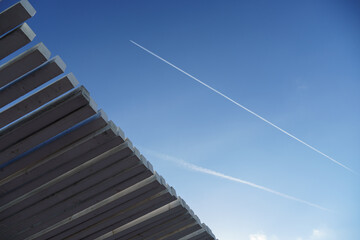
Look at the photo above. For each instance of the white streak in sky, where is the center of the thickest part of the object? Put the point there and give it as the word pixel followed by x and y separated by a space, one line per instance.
pixel 238 104
pixel 196 168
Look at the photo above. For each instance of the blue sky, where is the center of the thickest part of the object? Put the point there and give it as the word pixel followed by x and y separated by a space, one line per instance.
pixel 296 63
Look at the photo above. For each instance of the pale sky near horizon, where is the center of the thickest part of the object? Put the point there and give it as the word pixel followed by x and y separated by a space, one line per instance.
pixel 295 63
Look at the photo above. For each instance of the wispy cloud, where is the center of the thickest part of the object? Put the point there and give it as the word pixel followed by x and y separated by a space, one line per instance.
pixel 257 236
pixel 322 233
pixel 261 236
pixel 196 168
pixel 239 105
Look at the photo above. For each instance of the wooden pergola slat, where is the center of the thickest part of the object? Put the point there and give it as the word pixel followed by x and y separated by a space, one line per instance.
pixel 23 63
pixel 15 15
pixel 15 40
pixel 32 80
pixel 38 99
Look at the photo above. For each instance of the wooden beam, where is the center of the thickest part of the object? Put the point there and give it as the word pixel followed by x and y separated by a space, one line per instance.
pixel 182 232
pixel 38 99
pixel 166 229
pixel 161 225
pixel 43 135
pixel 202 234
pixel 23 63
pixel 15 40
pixel 65 181
pixel 96 206
pixel 115 214
pixel 60 204
pixel 57 164
pixel 45 149
pixel 153 187
pixel 32 80
pixel 145 222
pixel 45 116
pixel 15 15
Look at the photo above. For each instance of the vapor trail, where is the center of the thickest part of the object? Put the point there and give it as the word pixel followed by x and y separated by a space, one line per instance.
pixel 238 104
pixel 196 168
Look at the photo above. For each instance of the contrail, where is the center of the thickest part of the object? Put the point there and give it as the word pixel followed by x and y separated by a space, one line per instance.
pixel 196 168
pixel 238 104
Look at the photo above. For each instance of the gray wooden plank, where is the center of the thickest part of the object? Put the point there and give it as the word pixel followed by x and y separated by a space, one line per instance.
pixel 162 226
pixel 168 228
pixel 151 188
pixel 23 63
pixel 182 232
pixel 53 145
pixel 76 197
pixel 15 40
pixel 64 140
pixel 96 206
pixel 37 99
pixel 122 213
pixel 177 225
pixel 45 116
pixel 15 15
pixel 116 213
pixel 32 80
pixel 194 235
pixel 202 234
pixel 145 222
pixel 57 164
pixel 79 174
pixel 46 133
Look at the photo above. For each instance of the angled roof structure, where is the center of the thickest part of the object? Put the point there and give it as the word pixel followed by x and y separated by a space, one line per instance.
pixel 66 171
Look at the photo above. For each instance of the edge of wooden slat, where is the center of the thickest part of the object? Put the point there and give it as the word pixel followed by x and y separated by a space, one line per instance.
pixel 72 79
pixel 28 32
pixel 28 7
pixel 40 47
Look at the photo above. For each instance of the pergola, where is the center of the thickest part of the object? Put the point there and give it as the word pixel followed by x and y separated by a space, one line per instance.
pixel 66 171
